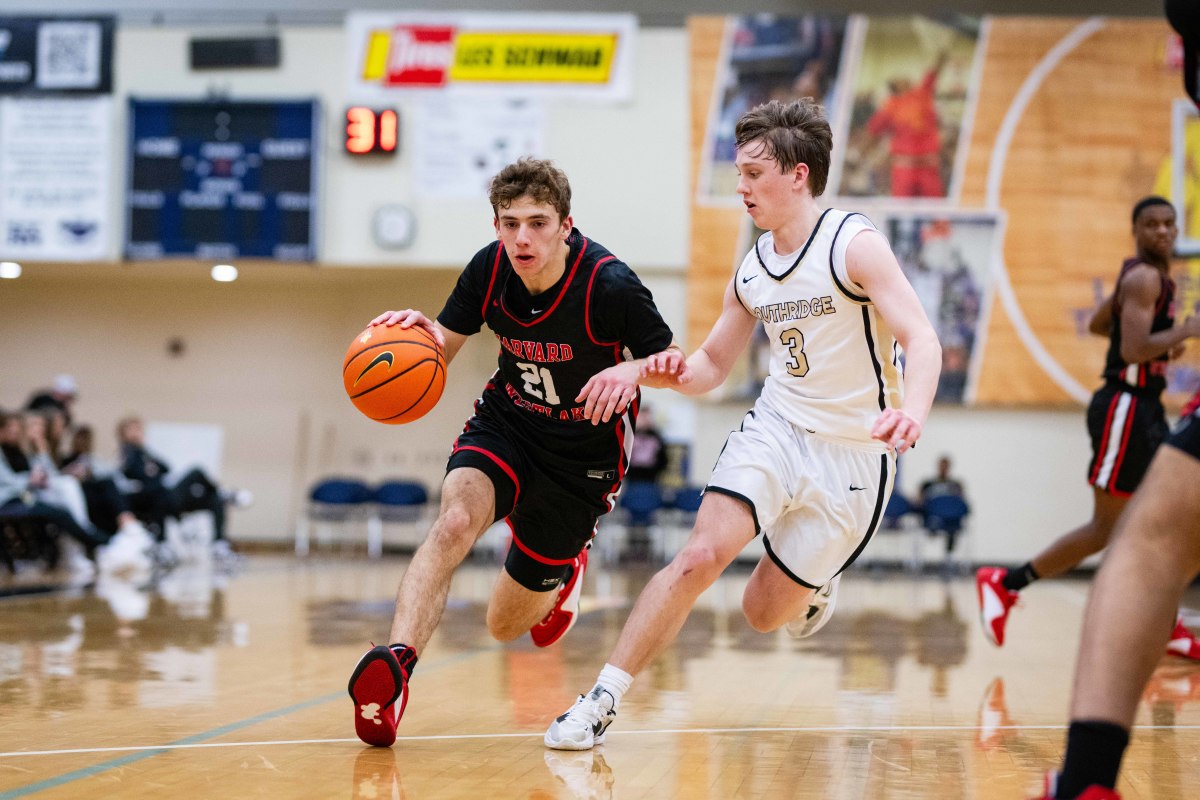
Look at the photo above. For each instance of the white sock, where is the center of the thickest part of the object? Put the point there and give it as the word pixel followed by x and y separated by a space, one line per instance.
pixel 615 681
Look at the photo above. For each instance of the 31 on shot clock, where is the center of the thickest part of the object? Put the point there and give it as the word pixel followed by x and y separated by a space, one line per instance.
pixel 371 130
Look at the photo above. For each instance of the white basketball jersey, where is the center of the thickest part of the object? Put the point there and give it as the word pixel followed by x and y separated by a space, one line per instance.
pixel 834 365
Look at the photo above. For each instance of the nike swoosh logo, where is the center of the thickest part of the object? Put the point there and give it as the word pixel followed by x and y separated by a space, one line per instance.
pixel 854 488
pixel 383 358
pixel 535 311
pixel 747 280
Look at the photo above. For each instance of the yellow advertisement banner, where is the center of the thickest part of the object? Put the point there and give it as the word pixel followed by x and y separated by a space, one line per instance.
pixel 512 57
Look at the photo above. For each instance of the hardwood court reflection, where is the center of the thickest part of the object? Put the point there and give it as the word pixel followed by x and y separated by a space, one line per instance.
pixel 233 687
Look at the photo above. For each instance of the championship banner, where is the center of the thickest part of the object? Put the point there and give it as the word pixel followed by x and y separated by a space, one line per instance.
pixel 564 55
pixel 55 178
pixel 56 55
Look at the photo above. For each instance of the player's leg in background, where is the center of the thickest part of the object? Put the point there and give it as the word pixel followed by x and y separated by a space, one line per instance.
pixel 1154 555
pixel 1132 605
pixel 1070 549
pixel 516 605
pixel 723 527
pixel 772 598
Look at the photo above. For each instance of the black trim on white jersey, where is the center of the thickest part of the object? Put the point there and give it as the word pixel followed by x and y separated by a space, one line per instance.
pixel 833 271
pixel 874 358
pixel 811 237
pixel 879 506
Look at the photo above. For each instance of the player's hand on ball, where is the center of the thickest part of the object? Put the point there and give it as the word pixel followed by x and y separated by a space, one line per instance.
pixel 896 429
pixel 408 318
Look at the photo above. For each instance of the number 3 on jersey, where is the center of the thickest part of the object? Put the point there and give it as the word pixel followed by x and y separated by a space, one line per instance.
pixel 536 376
pixel 793 340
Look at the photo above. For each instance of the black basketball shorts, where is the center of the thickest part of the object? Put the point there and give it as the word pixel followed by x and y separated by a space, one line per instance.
pixel 1126 429
pixel 1186 436
pixel 551 505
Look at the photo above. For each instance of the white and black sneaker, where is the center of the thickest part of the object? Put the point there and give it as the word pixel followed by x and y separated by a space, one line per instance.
pixel 820 609
pixel 583 725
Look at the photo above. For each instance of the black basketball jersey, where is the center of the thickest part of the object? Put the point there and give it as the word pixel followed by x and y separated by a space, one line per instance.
pixel 1146 377
pixel 551 344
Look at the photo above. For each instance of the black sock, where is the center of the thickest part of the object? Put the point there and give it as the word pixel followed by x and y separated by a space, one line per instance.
pixel 1094 750
pixel 1018 579
pixel 406 656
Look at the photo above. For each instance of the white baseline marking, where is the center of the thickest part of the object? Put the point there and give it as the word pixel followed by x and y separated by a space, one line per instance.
pixel 619 734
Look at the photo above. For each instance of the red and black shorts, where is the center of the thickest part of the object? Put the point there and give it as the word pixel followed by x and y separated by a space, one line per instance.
pixel 551 504
pixel 1126 429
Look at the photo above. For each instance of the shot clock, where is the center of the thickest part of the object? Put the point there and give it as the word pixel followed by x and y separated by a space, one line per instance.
pixel 370 130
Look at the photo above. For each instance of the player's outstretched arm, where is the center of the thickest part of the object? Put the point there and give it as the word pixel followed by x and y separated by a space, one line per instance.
pixel 871 264
pixel 450 341
pixel 709 366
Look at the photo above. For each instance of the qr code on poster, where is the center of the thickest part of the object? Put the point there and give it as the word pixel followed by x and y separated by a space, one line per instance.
pixel 68 55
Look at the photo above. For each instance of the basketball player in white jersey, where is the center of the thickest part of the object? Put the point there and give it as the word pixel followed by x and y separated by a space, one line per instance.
pixel 812 465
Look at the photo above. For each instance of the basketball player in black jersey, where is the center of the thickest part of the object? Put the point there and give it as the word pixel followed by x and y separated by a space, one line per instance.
pixel 549 440
pixel 1125 418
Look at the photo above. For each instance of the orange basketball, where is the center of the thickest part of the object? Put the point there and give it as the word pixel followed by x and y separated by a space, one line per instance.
pixel 394 374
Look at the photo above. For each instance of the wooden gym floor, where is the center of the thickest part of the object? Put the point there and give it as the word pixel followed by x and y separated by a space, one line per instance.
pixel 210 686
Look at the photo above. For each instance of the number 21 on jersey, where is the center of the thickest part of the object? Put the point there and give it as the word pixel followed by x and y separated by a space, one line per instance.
pixel 536 377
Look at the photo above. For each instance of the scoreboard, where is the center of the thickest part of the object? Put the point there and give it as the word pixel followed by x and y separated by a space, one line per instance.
pixel 222 179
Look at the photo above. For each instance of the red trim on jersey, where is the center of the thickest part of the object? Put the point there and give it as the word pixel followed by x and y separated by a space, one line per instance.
pixel 1192 405
pixel 1116 470
pixel 499 463
pixel 540 559
pixel 561 294
pixel 491 281
pixel 1112 409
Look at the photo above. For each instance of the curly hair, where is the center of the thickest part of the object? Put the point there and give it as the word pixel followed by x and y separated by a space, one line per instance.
pixel 536 178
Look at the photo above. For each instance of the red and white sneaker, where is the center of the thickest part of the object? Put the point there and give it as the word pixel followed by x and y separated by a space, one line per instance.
pixel 379 688
pixel 1183 642
pixel 995 602
pixel 1050 785
pixel 562 617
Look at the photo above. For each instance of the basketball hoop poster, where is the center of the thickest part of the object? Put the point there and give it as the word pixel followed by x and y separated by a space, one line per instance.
pixel 542 55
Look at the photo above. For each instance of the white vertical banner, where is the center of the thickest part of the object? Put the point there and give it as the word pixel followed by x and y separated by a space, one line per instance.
pixel 462 143
pixel 55 178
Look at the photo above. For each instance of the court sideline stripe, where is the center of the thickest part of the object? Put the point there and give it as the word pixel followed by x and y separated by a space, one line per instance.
pixel 157 748
pixel 195 740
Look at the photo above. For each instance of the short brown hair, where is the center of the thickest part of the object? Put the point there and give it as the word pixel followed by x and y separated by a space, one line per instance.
pixel 791 133
pixel 538 178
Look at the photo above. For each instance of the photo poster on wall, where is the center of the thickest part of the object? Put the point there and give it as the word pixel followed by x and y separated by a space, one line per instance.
pixel 765 57
pixel 1179 180
pixel 947 258
pixel 910 103
pixel 55 178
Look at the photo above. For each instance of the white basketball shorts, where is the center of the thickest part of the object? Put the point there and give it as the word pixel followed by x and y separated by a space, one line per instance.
pixel 816 501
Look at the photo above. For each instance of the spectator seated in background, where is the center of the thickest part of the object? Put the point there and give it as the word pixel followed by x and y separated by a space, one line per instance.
pixel 942 485
pixel 154 497
pixel 648 459
pixel 25 492
pixel 61 396
pixel 107 506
